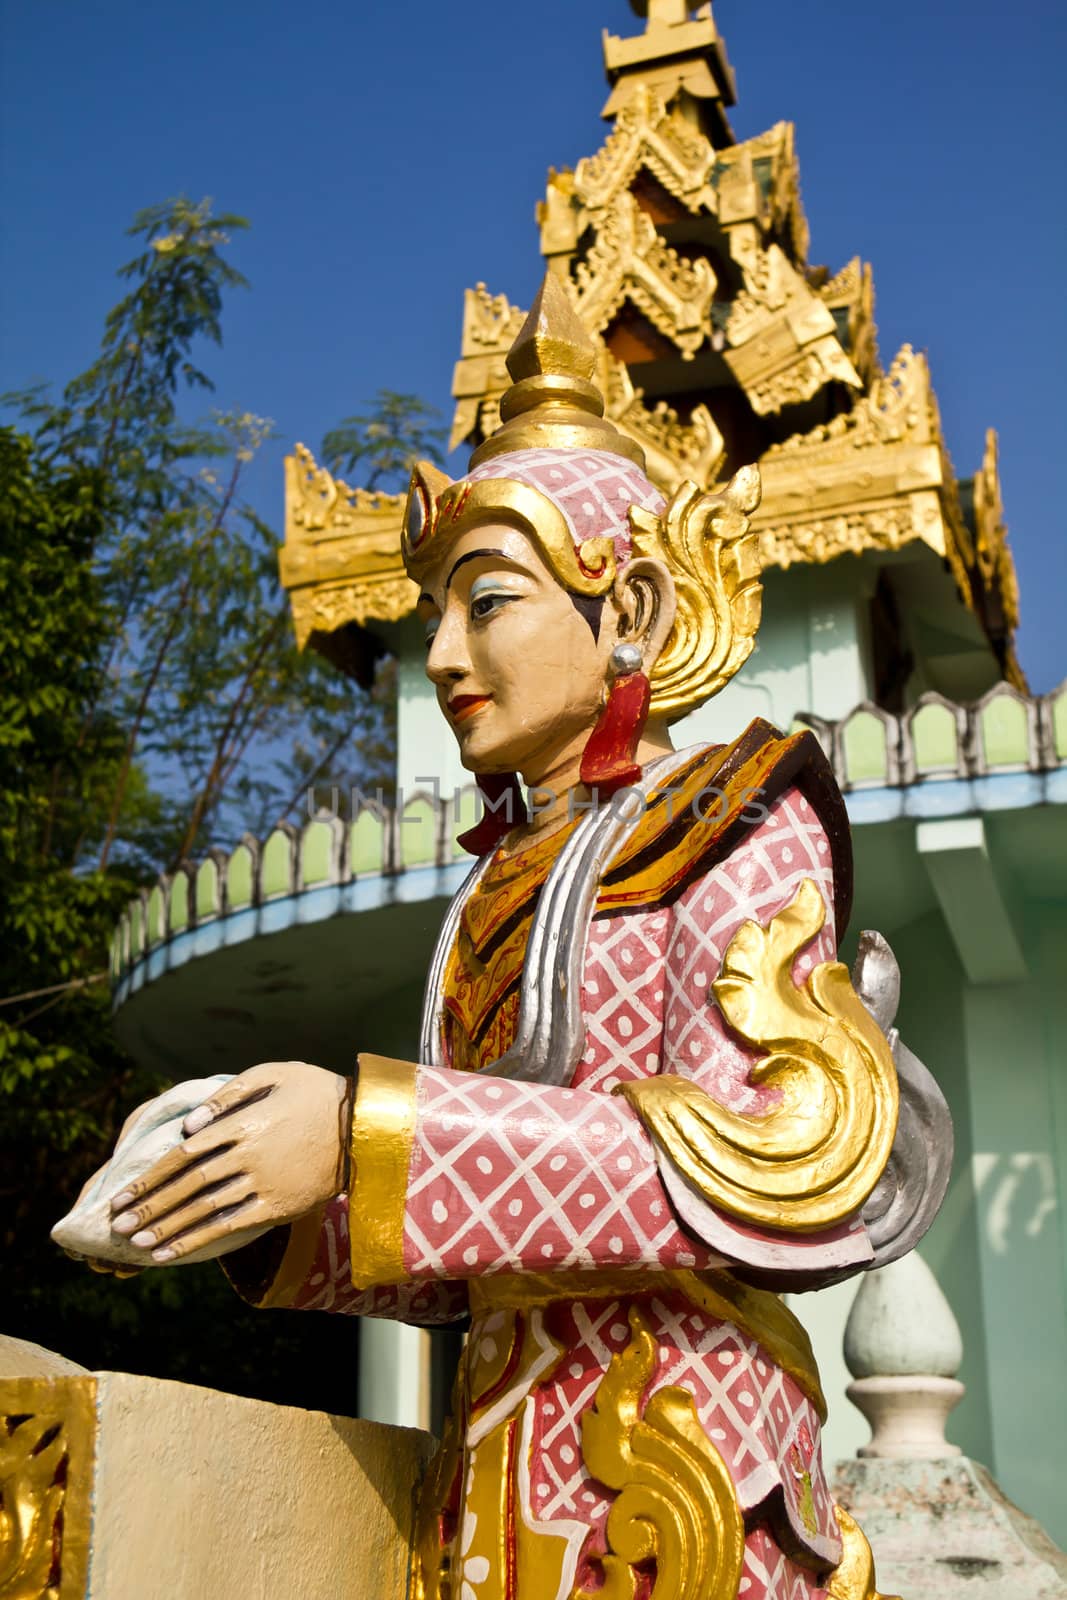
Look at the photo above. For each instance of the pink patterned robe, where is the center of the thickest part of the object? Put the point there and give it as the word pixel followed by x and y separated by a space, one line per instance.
pixel 543 1212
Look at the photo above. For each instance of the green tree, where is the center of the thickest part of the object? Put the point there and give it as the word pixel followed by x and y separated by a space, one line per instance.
pixel 153 701
pixel 217 706
pixel 57 768
pixel 383 445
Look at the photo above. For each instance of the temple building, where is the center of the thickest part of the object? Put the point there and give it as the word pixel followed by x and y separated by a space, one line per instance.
pixel 890 604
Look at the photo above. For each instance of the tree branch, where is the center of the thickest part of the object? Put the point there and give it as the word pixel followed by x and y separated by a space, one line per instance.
pixel 157 667
pixel 215 771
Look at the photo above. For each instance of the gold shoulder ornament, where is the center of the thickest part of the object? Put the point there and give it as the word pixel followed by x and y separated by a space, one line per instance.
pixel 707 542
pixel 814 1158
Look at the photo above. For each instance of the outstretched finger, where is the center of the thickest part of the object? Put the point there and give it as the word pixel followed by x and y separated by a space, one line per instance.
pixel 243 1214
pixel 175 1164
pixel 244 1090
pixel 197 1213
pixel 205 1176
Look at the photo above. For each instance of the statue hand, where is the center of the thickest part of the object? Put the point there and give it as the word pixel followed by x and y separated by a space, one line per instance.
pixel 265 1149
pixel 109 1269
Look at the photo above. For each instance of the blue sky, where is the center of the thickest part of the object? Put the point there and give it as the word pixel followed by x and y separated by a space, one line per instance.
pixel 390 155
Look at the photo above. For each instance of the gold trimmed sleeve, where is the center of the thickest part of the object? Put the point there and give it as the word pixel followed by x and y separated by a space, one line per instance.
pixel 383 1133
pixel 269 1271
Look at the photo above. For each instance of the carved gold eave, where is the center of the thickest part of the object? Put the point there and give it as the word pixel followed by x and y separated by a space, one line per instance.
pixel 341 559
pixel 490 326
pixel 673 450
pixel 992 550
pixel 647 135
pixel 629 261
pixel 758 181
pixel 873 478
pixel 876 478
pixel 851 291
pixel 782 341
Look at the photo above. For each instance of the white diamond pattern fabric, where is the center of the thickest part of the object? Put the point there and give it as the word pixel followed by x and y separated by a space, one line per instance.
pixel 763 1426
pixel 515 1177
pixel 592 488
pixel 512 1177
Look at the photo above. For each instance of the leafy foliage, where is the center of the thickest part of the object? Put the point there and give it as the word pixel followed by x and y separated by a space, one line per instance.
pixel 61 1076
pixel 228 720
pixel 152 701
pixel 383 446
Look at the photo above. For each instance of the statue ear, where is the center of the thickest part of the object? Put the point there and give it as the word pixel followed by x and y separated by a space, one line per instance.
pixel 645 602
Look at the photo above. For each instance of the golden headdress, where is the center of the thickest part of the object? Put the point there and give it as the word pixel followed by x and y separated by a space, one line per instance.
pixel 561 471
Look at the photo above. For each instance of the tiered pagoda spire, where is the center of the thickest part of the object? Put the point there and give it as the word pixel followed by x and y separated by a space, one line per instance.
pixel 719 345
pixel 680 55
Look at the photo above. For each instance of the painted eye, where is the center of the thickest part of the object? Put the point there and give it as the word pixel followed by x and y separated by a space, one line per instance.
pixel 483 605
pixel 431 631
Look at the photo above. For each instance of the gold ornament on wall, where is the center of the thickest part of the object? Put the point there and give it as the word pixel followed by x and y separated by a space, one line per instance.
pixel 46 1464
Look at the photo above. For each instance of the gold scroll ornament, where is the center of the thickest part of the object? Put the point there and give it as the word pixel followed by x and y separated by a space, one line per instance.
pixel 813 1159
pixel 707 543
pixel 854 1577
pixel 675 1500
pixel 46 1465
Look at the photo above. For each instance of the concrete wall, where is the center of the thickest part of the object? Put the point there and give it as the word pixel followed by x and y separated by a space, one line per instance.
pixel 173 1492
pixel 812 654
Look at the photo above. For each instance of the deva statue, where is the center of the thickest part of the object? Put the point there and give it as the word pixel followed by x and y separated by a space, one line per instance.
pixel 647 1097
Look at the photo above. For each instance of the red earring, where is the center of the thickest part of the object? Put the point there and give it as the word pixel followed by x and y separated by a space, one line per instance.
pixel 505 808
pixel 609 761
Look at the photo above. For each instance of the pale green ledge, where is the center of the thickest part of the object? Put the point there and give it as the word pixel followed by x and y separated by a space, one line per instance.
pixel 1007 751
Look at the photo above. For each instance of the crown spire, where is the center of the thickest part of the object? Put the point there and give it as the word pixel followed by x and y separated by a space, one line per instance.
pixel 682 55
pixel 553 402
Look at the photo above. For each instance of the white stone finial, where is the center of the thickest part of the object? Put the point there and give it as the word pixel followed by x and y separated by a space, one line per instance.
pixel 903 1348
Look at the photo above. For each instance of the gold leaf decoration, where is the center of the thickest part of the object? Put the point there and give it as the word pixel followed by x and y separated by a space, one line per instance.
pixel 676 1501
pixel 707 542
pixel 45 1470
pixel 31 1457
pixel 853 1578
pixel 813 1159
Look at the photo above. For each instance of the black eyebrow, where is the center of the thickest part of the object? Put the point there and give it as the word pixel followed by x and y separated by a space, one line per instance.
pixel 473 555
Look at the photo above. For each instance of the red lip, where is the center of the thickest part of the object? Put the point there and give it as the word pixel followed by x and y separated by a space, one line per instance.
pixel 461 706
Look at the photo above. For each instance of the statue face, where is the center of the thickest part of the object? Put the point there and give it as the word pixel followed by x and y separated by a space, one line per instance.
pixel 519 675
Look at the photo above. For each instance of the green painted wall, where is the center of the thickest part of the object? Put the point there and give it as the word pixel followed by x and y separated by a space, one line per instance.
pixel 426 747
pixel 812 654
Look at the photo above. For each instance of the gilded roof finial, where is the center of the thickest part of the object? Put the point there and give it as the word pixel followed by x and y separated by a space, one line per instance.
pixel 553 402
pixel 681 53
pixel 669 12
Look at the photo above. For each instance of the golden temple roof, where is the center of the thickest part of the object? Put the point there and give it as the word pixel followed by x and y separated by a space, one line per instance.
pixel 717 345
